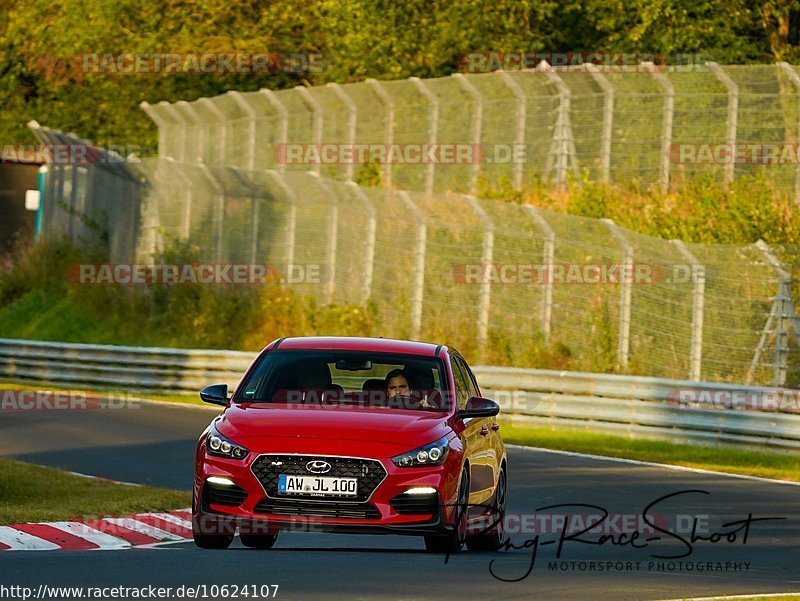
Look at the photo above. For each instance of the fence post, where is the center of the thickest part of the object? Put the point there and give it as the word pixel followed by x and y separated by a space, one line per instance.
pixel 318 116
pixel 161 123
pixel 223 124
pixel 176 114
pixel 477 126
pixel 388 102
pixel 283 115
pixel 188 200
pixel 251 130
pixel 487 255
pixel 199 124
pixel 333 235
pixel 253 212
pixel 433 127
pixel 372 231
pixel 291 225
pixel 780 311
pixel 419 265
pixel 623 349
pixel 563 145
pixel 666 124
pixel 219 216
pixel 521 117
pixel 608 124
pixel 733 110
pixel 795 79
pixel 352 123
pixel 548 260
pixel 698 303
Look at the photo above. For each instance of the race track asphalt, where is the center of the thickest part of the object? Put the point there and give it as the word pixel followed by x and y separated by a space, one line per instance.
pixel 154 444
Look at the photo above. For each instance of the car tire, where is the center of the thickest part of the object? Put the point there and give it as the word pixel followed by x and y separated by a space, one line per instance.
pixel 213 541
pixel 258 541
pixel 452 542
pixel 492 541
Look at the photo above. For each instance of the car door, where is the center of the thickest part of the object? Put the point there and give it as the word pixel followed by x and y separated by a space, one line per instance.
pixel 482 456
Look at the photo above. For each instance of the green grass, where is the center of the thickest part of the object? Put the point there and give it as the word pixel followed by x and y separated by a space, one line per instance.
pixel 31 493
pixel 780 466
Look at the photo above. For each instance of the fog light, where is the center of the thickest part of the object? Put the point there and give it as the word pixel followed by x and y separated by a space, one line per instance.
pixel 421 490
pixel 220 481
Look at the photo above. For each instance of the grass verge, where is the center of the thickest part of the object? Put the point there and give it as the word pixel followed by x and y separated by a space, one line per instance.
pixel 188 399
pixel 32 493
pixel 764 464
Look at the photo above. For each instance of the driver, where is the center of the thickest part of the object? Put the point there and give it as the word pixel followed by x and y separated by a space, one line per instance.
pixel 399 384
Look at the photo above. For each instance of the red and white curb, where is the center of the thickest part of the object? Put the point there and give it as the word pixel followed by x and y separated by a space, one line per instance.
pixel 138 531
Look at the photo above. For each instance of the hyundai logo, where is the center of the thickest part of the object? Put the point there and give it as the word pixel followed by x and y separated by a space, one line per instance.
pixel 318 467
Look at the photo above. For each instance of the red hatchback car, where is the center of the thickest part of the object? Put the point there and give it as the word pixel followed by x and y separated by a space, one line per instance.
pixel 358 435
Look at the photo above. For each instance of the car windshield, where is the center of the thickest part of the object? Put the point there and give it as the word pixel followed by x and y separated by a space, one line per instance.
pixel 347 378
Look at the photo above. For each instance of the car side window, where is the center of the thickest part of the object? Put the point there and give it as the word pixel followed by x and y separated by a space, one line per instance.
pixel 472 386
pixel 462 388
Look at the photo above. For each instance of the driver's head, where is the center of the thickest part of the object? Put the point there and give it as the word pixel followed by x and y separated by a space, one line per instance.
pixel 398 383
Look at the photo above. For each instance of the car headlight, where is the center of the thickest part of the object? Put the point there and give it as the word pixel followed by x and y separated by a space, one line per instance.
pixel 217 444
pixel 431 454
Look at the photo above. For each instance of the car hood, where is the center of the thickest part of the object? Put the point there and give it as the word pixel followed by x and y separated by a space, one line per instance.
pixel 404 428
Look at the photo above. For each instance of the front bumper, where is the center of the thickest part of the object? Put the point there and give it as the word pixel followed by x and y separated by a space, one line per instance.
pixel 251 504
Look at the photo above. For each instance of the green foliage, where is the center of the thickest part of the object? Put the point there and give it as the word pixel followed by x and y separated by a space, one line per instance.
pixel 40 43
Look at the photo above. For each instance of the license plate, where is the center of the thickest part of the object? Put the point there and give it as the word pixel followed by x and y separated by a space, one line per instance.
pixel 317 486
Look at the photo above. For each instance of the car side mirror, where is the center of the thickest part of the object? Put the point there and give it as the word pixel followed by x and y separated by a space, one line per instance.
pixel 216 394
pixel 479 407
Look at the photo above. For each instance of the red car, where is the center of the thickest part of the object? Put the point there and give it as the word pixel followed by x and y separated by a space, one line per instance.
pixel 358 435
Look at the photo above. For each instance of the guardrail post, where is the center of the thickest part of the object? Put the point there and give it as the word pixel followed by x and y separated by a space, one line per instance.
pixel 388 102
pixel 608 124
pixel 291 224
pixel 419 265
pixel 318 115
pixel 733 110
pixel 253 212
pixel 780 313
pixel 487 255
pixel 548 260
pixel 623 349
pixel 795 79
pixel 283 115
pixel 521 117
pixel 352 123
pixel 563 145
pixel 666 123
pixel 372 231
pixel 251 128
pixel 698 302
pixel 433 127
pixel 477 125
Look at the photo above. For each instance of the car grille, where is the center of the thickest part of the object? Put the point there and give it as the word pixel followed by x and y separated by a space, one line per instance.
pixel 405 503
pixel 318 509
pixel 370 474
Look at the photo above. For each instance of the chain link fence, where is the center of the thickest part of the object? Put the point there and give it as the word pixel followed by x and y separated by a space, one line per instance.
pixel 650 124
pixel 491 273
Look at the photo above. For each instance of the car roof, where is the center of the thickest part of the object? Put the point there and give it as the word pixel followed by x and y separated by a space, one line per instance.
pixel 355 343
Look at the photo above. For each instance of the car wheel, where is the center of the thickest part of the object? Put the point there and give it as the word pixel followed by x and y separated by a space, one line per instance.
pixel 452 542
pixel 213 541
pixel 491 541
pixel 258 541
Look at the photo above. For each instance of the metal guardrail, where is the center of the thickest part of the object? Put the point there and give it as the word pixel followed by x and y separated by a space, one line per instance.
pixel 634 406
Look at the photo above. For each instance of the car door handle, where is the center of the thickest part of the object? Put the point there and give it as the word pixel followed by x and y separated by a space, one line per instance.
pixel 484 431
pixel 495 427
